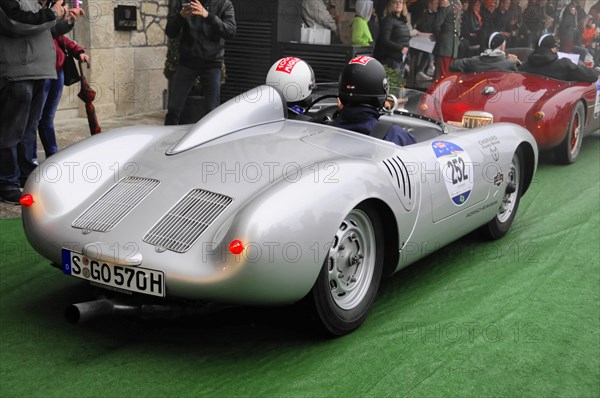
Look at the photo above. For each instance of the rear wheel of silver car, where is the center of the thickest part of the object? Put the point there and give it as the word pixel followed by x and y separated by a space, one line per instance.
pixel 347 284
pixel 568 150
pixel 503 220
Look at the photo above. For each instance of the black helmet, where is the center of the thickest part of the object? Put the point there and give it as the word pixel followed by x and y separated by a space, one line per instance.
pixel 363 81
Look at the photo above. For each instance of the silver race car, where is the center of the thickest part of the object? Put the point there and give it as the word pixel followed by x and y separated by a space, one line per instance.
pixel 251 207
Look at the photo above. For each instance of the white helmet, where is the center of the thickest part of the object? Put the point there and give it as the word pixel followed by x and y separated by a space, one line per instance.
pixel 293 77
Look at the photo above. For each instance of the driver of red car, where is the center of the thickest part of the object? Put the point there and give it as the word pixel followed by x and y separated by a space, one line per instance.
pixel 544 61
pixel 492 59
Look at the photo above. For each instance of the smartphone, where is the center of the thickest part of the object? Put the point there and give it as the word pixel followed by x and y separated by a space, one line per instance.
pixel 186 4
pixel 51 3
pixel 75 3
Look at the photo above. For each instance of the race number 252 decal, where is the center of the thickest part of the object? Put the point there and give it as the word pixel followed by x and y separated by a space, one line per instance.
pixel 456 170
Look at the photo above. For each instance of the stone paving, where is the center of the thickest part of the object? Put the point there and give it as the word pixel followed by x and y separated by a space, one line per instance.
pixel 73 130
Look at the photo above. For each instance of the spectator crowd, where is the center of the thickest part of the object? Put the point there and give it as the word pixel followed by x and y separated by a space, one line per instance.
pixel 462 29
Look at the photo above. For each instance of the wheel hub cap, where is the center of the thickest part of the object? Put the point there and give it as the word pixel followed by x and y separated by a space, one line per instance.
pixel 351 260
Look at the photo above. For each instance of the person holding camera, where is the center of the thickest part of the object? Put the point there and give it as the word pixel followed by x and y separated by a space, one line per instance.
pixel 204 26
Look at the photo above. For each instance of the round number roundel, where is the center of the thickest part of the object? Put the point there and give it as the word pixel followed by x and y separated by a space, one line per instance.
pixel 456 169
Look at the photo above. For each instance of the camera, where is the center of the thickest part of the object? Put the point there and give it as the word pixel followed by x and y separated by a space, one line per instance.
pixel 186 4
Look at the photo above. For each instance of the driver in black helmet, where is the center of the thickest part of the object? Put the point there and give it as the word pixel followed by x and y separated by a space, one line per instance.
pixel 363 89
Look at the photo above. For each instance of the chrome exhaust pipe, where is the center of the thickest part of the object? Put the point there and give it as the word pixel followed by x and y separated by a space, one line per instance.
pixel 83 312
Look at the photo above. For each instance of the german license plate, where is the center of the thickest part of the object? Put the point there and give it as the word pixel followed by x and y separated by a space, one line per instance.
pixel 133 279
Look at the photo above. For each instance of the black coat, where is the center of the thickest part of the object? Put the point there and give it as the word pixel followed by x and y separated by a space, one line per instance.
pixel 394 35
pixel 483 63
pixel 470 24
pixel 501 21
pixel 203 39
pixel 546 63
pixel 446 30
pixel 568 29
pixel 534 19
pixel 487 27
pixel 426 21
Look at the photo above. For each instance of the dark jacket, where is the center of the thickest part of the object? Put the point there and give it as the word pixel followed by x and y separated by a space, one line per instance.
pixel 487 27
pixel 26 50
pixel 426 21
pixel 203 39
pixel 501 20
pixel 446 30
pixel 534 20
pixel 27 15
pixel 568 29
pixel 470 27
pixel 394 35
pixel 487 62
pixel 364 118
pixel 546 63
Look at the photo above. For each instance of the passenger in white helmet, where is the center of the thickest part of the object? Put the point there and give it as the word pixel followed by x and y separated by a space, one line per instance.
pixel 295 79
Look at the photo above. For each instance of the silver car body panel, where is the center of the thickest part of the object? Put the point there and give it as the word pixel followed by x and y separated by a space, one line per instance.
pixel 290 182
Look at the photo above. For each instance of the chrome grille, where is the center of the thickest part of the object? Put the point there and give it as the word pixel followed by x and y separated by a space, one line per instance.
pixel 472 119
pixel 187 220
pixel 114 205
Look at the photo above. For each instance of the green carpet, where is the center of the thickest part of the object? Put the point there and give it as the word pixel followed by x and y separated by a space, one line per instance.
pixel 516 317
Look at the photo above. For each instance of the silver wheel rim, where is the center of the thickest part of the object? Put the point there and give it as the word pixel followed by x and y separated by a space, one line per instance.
pixel 510 199
pixel 351 260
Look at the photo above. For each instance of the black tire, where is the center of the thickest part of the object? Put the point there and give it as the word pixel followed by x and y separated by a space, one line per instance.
pixel 347 284
pixel 568 150
pixel 502 221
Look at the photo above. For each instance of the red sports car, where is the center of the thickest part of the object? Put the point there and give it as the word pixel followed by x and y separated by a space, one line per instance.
pixel 558 113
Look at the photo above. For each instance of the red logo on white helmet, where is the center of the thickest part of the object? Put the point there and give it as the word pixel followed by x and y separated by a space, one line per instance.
pixel 287 64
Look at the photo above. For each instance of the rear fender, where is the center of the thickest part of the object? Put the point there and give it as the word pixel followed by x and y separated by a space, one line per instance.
pixel 288 228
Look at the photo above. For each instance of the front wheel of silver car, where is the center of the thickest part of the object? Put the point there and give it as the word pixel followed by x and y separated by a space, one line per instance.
pixel 501 223
pixel 347 284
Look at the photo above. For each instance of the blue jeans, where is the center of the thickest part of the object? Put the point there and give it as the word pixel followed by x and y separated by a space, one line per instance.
pixel 19 114
pixel 183 82
pixel 52 92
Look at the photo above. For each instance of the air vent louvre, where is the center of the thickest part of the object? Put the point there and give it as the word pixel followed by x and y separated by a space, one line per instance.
pixel 187 220
pixel 115 204
pixel 399 172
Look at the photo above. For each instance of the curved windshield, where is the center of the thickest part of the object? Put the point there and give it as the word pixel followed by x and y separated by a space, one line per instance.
pixel 416 103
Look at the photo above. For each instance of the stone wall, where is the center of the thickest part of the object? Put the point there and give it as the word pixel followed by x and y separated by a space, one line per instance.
pixel 126 66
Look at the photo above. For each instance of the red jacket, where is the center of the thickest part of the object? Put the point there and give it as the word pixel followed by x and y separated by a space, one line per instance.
pixel 73 48
pixel 587 37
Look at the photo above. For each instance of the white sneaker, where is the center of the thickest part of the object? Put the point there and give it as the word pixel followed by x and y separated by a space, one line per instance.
pixel 423 76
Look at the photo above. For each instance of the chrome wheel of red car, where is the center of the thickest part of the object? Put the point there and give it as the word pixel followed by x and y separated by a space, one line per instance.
pixel 503 220
pixel 348 282
pixel 568 150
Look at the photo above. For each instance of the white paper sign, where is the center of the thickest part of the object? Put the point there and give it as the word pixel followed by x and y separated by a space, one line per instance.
pixel 572 57
pixel 422 42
